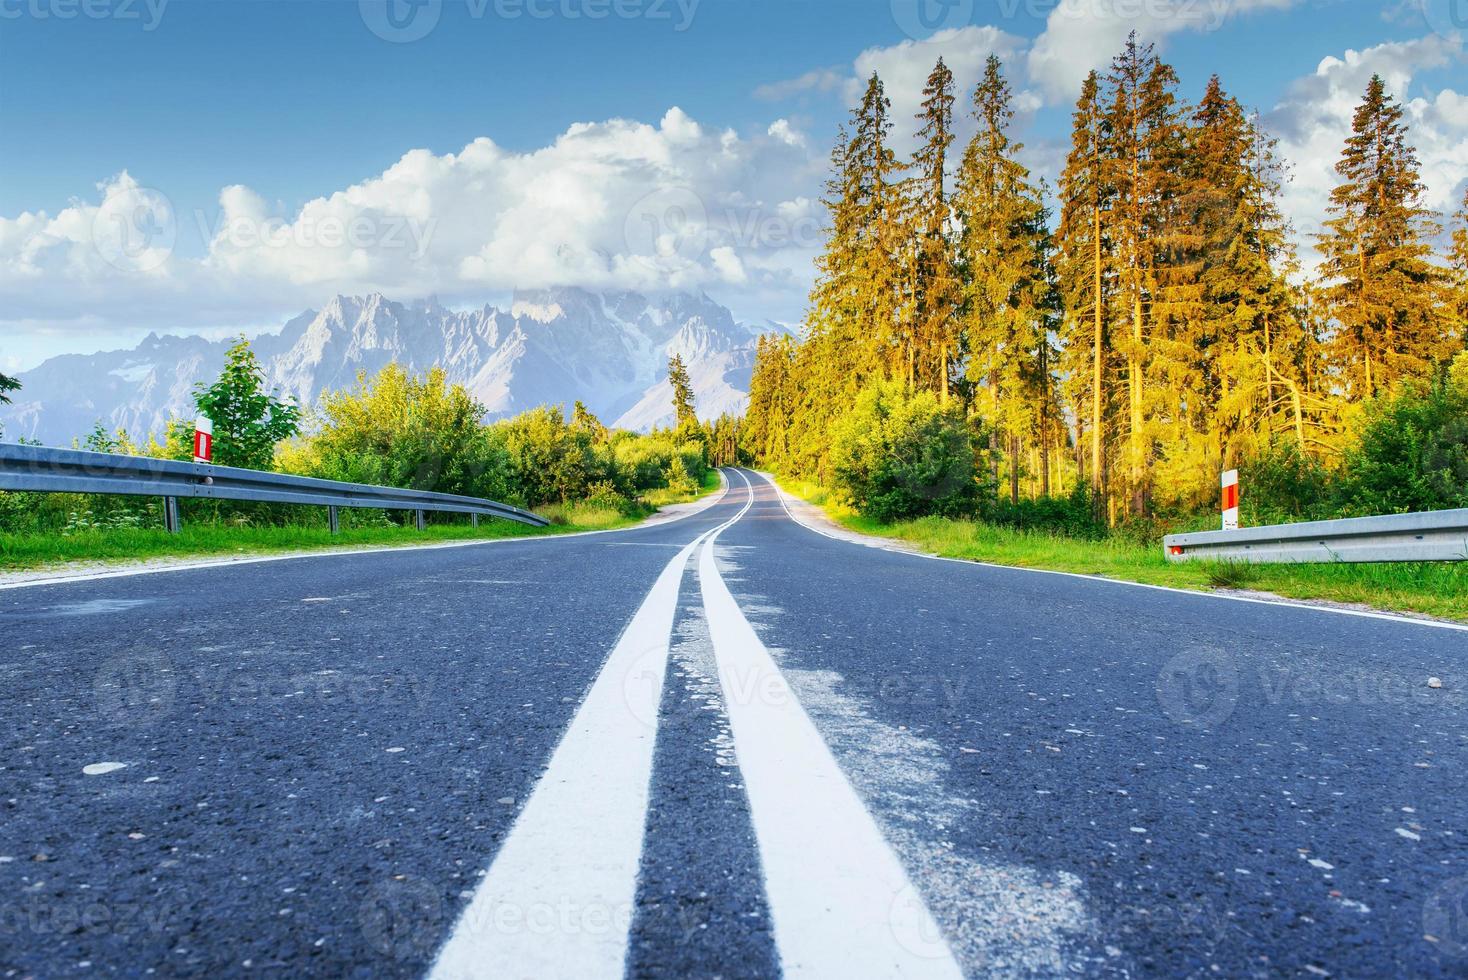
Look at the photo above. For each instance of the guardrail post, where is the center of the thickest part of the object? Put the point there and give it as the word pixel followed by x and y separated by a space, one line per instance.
pixel 170 515
pixel 333 518
pixel 420 520
pixel 475 519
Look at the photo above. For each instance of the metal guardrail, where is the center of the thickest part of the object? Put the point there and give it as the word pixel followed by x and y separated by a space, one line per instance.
pixel 1440 535
pixel 40 469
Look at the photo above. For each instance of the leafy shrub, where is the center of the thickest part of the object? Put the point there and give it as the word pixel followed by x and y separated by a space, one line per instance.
pixel 1282 486
pixel 899 455
pixel 659 461
pixel 1413 450
pixel 606 495
pixel 550 460
pixel 399 430
pixel 1072 515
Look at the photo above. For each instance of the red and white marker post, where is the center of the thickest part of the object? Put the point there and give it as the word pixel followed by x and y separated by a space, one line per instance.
pixel 1231 500
pixel 203 440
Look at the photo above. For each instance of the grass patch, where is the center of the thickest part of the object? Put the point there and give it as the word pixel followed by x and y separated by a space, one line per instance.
pixel 1432 588
pixel 199 539
pixel 667 497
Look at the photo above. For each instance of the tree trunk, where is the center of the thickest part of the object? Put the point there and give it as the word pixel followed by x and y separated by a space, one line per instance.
pixel 1096 362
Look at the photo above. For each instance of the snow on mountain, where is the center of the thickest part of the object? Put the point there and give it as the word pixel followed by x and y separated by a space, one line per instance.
pixel 550 347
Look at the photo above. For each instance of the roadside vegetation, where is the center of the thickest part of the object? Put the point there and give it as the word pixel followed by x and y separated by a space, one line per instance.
pixel 995 369
pixel 394 429
pixel 1428 588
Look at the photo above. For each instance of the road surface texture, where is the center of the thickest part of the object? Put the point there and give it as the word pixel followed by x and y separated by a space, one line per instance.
pixel 726 746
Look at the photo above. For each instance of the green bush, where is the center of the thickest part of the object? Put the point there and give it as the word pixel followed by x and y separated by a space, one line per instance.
pixel 900 455
pixel 659 461
pixel 1283 486
pixel 1413 452
pixel 1072 515
pixel 403 431
pixel 550 460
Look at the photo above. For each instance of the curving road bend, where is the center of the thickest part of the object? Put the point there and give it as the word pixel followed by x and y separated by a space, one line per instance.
pixel 728 745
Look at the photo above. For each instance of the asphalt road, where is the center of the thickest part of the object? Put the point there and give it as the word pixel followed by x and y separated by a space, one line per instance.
pixel 726 746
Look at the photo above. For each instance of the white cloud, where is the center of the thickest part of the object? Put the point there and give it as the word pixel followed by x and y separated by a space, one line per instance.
pixel 1313 120
pixel 904 69
pixel 616 204
pixel 819 80
pixel 1081 35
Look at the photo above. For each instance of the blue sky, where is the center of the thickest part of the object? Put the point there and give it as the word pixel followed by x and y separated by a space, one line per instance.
pixel 293 102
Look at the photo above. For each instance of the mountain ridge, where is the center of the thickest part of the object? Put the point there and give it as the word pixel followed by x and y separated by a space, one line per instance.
pixel 549 346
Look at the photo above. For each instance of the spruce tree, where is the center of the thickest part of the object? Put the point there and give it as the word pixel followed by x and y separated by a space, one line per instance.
pixel 1145 134
pixel 879 229
pixel 1086 279
pixel 683 409
pixel 1005 252
pixel 1387 299
pixel 1242 319
pixel 931 339
pixel 1458 259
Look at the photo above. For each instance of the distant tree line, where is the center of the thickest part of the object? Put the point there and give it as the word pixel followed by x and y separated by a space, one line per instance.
pixel 403 430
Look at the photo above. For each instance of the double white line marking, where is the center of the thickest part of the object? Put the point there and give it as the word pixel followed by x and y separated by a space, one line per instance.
pixel 558 899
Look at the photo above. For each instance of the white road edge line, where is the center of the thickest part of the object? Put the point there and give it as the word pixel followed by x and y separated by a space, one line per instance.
pixel 558 898
pixel 353 553
pixel 840 899
pixel 1282 603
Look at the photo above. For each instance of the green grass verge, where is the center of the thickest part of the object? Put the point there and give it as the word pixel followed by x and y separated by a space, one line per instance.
pixel 1432 588
pixel 666 498
pixel 30 552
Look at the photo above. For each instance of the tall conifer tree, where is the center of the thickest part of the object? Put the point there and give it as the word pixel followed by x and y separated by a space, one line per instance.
pixel 1385 295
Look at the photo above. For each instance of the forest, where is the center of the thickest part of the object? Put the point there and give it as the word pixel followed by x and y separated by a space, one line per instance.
pixel 979 343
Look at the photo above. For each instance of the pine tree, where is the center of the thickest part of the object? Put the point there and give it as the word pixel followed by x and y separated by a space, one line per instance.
pixel 1145 140
pixel 853 331
pixel 879 229
pixel 1458 259
pixel 1387 299
pixel 7 385
pixel 770 416
pixel 1086 278
pixel 683 409
pixel 1005 253
pixel 584 420
pixel 1230 305
pixel 933 282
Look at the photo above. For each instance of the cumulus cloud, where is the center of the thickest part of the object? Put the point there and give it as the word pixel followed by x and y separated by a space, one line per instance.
pixel 1081 35
pixel 617 204
pixel 1313 120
